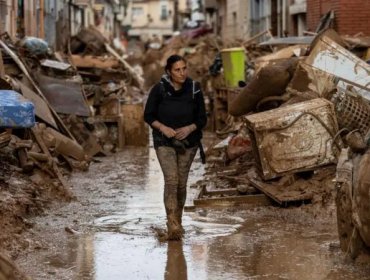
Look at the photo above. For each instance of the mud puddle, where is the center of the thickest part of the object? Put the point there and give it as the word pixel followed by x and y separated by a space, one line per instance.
pixel 120 201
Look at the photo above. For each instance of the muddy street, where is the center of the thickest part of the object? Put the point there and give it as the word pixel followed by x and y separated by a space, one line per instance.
pixel 109 232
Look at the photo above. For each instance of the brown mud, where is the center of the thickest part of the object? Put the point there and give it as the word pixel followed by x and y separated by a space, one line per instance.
pixel 107 233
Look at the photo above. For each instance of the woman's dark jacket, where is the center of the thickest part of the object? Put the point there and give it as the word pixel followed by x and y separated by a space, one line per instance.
pixel 176 109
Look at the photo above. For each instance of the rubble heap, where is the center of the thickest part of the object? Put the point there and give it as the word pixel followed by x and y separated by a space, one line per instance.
pixel 85 103
pixel 297 133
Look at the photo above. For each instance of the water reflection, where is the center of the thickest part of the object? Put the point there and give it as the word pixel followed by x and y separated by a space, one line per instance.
pixel 176 268
pixel 219 244
pixel 85 260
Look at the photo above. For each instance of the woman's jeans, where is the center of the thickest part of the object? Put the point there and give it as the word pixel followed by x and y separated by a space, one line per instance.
pixel 175 167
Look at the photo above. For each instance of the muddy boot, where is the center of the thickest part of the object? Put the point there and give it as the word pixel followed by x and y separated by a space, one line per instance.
pixel 181 198
pixel 173 227
pixel 179 219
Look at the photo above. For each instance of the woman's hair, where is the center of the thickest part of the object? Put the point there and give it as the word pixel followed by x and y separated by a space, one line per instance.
pixel 172 60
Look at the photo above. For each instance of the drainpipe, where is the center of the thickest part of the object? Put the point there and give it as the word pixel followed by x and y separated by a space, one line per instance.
pixel 176 15
pixel 70 17
pixel 42 25
pixel 284 15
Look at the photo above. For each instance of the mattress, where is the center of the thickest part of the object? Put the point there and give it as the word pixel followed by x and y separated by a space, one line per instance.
pixel 15 110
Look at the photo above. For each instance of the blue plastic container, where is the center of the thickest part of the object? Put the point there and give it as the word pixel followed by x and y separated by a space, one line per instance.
pixel 15 110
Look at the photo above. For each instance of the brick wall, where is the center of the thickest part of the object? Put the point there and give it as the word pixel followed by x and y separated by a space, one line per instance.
pixel 351 17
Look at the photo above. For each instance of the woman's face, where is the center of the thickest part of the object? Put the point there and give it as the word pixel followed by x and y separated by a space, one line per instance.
pixel 178 72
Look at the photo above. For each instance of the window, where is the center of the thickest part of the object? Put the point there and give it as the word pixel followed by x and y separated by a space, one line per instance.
pixel 164 12
pixel 137 11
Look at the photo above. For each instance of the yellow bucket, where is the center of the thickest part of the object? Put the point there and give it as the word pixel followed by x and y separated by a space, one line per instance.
pixel 233 60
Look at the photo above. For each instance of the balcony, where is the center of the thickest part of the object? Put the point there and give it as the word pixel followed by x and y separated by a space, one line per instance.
pixel 298 7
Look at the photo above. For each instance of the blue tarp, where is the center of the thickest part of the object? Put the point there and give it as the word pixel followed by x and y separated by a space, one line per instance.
pixel 15 110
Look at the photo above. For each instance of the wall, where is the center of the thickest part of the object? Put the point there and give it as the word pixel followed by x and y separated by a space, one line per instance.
pixel 30 17
pixel 260 16
pixel 351 17
pixel 317 8
pixel 147 20
pixel 297 20
pixel 236 21
pixel 184 5
pixel 8 15
pixel 51 12
pixel 233 19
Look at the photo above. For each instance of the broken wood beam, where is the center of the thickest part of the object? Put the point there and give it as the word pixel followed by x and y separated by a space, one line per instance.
pixel 5 138
pixel 231 191
pixel 38 156
pixel 40 142
pixel 25 163
pixel 255 200
pixel 139 80
pixel 280 196
pixel 17 143
pixel 90 61
pixel 255 37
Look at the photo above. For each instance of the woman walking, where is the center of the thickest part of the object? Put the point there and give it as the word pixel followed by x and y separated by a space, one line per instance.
pixel 176 112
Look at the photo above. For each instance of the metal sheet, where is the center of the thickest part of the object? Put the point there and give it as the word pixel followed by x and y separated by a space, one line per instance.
pixel 65 96
pixel 41 108
pixel 302 40
pixel 55 64
pixel 350 70
pixel 294 138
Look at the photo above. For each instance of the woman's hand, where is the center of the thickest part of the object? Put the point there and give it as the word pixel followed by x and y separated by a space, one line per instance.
pixel 183 132
pixel 167 131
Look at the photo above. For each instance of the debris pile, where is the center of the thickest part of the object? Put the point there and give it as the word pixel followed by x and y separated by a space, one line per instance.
pixel 58 111
pixel 297 132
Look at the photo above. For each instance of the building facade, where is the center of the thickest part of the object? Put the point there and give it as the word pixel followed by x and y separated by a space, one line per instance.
pixel 297 17
pixel 350 17
pixel 148 18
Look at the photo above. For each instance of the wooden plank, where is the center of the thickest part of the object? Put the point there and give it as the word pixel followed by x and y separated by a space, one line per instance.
pixel 66 186
pixel 231 191
pixel 192 194
pixel 255 37
pixel 41 107
pixel 281 197
pixel 2 69
pixel 139 81
pixel 90 61
pixel 255 200
pixel 5 138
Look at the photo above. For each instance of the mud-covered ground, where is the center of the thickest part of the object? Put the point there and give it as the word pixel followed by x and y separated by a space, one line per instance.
pixel 21 199
pixel 109 232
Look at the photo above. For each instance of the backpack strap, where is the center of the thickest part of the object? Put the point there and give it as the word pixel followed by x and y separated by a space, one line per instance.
pixel 163 90
pixel 196 88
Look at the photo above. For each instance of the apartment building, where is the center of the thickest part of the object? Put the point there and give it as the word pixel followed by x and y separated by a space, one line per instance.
pixel 148 18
